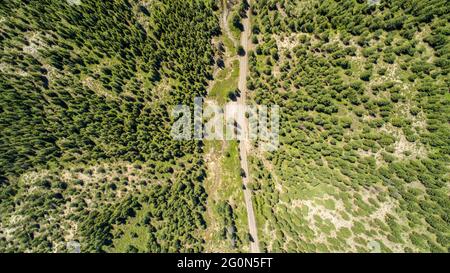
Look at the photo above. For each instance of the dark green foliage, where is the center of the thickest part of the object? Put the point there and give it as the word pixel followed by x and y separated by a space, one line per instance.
pixel 97 227
pixel 96 82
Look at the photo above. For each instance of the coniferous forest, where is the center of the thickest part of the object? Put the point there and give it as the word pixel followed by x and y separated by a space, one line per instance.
pixel 365 130
pixel 85 127
pixel 86 155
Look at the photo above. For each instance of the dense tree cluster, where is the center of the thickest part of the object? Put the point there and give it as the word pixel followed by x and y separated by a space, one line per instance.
pixel 92 83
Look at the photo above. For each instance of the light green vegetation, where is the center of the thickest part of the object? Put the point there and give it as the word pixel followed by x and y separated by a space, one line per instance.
pixel 226 214
pixel 229 44
pixel 133 235
pixel 364 126
pixel 236 13
pixel 226 83
pixel 227 218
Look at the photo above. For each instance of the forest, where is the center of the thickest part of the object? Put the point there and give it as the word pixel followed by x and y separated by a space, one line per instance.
pixel 85 126
pixel 86 155
pixel 364 93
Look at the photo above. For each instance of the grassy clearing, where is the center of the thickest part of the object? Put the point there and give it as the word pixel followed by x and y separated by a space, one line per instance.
pixel 227 82
pixel 224 186
pixel 229 45
pixel 236 32
pixel 135 234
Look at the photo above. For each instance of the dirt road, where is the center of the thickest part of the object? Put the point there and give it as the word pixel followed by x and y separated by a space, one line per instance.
pixel 244 144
